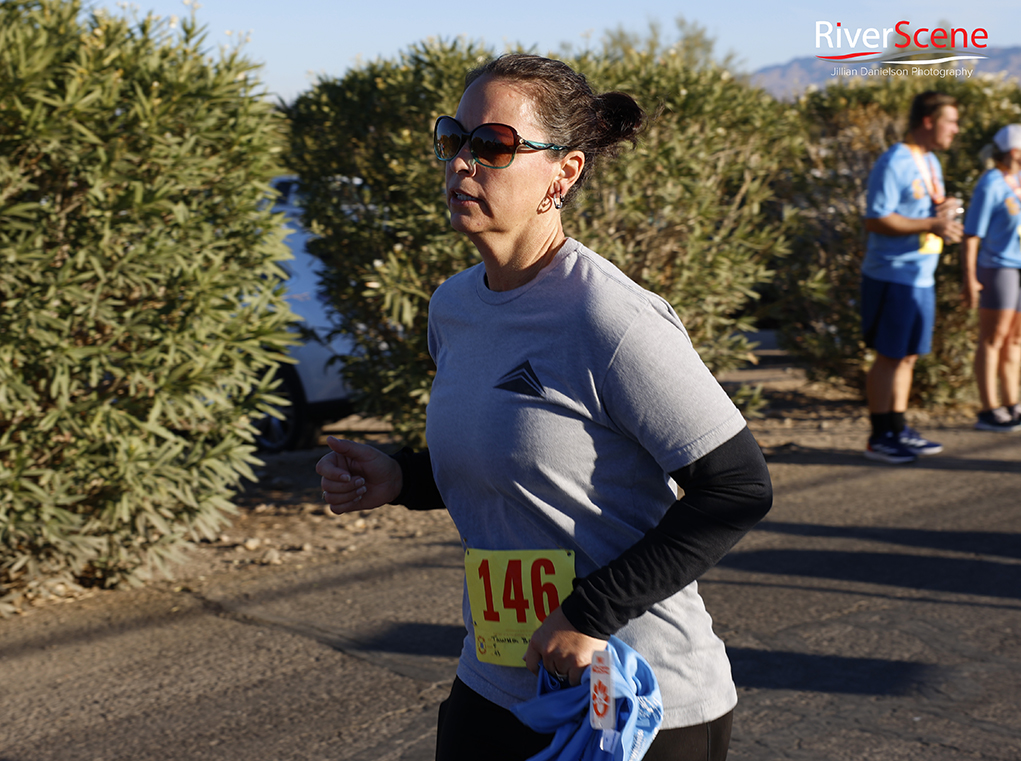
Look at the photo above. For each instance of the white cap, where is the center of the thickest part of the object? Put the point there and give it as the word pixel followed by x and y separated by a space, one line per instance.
pixel 1008 137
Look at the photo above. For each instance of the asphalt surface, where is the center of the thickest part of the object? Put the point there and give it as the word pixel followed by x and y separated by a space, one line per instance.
pixel 873 615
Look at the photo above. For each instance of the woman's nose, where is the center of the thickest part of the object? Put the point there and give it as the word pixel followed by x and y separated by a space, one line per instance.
pixel 463 161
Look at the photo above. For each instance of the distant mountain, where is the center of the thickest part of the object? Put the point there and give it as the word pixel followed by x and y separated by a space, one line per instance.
pixel 790 79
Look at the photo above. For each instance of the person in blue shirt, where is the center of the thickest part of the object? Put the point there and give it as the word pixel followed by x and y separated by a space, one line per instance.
pixel 992 282
pixel 908 218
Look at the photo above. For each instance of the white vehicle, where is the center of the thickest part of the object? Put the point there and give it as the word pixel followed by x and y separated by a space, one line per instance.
pixel 314 387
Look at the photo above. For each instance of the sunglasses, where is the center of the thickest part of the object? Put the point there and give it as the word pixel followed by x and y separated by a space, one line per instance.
pixel 491 145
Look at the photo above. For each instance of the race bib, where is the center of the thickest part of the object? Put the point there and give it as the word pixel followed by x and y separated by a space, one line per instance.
pixel 930 244
pixel 511 592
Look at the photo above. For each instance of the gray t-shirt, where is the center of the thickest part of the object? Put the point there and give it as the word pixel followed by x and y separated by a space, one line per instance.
pixel 557 411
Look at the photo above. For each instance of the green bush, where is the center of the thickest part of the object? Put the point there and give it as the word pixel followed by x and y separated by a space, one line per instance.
pixel 815 299
pixel 688 214
pixel 374 196
pixel 140 307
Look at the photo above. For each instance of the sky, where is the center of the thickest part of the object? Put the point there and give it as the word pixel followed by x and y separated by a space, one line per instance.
pixel 297 41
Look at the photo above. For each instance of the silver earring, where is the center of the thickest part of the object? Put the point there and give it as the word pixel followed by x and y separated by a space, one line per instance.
pixel 558 202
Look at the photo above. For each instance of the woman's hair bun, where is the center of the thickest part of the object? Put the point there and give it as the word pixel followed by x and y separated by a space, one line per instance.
pixel 621 115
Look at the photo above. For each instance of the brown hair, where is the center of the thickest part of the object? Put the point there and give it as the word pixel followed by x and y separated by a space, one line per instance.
pixel 570 112
pixel 929 103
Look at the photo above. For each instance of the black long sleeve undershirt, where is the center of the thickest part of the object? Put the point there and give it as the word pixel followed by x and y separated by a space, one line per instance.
pixel 418 490
pixel 726 493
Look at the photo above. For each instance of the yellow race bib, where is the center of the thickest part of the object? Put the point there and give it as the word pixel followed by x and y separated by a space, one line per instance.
pixel 511 592
pixel 930 244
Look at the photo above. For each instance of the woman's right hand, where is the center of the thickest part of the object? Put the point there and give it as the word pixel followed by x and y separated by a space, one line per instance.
pixel 357 476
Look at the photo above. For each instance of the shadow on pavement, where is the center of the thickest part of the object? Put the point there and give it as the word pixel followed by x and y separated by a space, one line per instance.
pixel 794 454
pixel 937 574
pixel 416 639
pixel 772 670
pixel 168 606
pixel 978 542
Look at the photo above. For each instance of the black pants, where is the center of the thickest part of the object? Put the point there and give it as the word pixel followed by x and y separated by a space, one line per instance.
pixel 472 728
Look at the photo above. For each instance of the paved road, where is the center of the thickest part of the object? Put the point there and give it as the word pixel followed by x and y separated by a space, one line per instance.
pixel 874 614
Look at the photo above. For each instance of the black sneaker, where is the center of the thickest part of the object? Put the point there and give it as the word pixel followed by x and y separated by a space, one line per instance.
pixel 999 420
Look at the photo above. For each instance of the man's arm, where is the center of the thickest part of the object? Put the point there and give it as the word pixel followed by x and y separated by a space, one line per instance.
pixel 896 224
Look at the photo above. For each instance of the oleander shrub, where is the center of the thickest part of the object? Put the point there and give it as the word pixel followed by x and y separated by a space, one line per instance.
pixel 815 296
pixel 689 214
pixel 141 314
pixel 374 197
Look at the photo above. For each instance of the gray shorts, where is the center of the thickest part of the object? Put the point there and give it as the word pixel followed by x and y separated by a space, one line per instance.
pixel 1001 288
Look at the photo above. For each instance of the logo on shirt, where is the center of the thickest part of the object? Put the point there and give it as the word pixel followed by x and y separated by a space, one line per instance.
pixel 1013 207
pixel 522 380
pixel 917 188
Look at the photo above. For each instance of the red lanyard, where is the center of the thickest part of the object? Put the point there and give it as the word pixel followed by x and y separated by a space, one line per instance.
pixel 928 172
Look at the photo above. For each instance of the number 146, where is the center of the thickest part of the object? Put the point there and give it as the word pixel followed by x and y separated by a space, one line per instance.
pixel 544 600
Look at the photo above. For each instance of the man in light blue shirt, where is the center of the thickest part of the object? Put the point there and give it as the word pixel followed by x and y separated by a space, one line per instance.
pixel 908 218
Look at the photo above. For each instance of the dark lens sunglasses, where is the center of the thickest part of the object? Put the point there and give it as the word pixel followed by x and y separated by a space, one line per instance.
pixel 491 145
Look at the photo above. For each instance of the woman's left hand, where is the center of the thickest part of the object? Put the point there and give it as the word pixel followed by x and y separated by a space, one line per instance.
pixel 970 293
pixel 562 649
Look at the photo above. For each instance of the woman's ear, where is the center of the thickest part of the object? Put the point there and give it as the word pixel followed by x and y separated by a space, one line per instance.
pixel 571 167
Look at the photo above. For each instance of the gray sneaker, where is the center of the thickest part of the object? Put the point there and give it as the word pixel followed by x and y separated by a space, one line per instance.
pixel 999 420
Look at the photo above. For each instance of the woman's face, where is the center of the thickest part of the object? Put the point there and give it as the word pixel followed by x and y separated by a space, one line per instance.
pixel 485 203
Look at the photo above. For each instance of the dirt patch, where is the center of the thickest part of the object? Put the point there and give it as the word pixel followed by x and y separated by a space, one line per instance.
pixel 281 520
pixel 809 414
